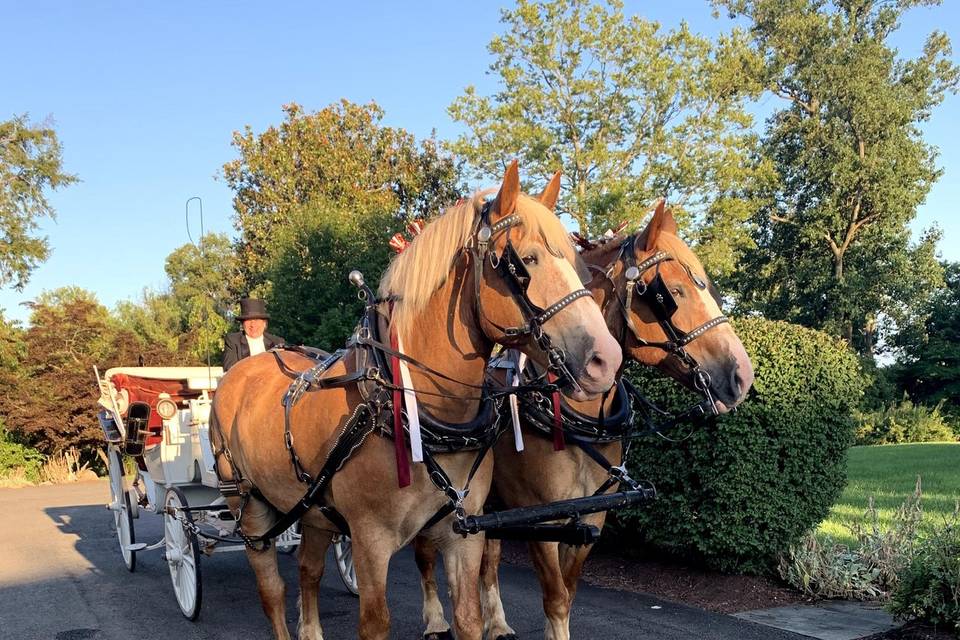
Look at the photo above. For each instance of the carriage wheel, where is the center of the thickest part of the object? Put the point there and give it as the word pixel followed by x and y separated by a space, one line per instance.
pixel 183 554
pixel 288 548
pixel 343 552
pixel 121 508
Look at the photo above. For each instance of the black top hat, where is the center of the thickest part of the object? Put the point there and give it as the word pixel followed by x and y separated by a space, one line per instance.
pixel 253 309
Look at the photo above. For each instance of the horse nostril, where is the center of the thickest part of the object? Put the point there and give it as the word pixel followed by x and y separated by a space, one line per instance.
pixel 736 382
pixel 596 366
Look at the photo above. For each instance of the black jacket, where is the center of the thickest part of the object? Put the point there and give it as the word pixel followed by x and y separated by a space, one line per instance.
pixel 235 347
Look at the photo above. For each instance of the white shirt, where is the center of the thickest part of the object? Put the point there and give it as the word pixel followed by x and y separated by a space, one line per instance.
pixel 255 344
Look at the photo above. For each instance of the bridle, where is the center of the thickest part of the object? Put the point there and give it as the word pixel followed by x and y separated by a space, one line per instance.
pixel 656 295
pixel 509 265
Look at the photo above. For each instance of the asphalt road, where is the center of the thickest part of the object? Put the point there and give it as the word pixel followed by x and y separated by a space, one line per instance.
pixel 61 577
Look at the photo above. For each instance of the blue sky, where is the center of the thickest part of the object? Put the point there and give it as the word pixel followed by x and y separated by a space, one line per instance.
pixel 145 97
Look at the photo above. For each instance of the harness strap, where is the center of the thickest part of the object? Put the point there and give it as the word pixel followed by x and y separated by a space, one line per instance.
pixel 558 442
pixel 399 440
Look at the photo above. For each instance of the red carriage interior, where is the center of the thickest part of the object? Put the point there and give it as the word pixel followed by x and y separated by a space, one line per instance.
pixel 148 390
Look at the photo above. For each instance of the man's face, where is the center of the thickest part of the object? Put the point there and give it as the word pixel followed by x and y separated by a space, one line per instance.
pixel 254 328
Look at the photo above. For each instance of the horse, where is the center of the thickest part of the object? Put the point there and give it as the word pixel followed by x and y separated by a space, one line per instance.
pixel 483 273
pixel 685 336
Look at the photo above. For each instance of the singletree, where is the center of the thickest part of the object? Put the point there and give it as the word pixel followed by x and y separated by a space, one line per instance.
pixel 30 166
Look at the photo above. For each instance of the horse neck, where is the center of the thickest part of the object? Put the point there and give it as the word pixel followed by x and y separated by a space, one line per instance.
pixel 446 337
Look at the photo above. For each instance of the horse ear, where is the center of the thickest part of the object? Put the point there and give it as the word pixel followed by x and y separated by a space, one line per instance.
pixel 506 202
pixel 551 193
pixel 662 221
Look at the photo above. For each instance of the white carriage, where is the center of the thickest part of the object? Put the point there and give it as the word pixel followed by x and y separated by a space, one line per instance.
pixel 160 417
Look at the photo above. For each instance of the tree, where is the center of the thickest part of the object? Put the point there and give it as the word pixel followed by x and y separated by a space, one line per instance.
pixel 833 249
pixel 189 317
pixel 312 301
pixel 341 155
pixel 627 111
pixel 929 366
pixel 30 165
pixel 53 403
pixel 200 286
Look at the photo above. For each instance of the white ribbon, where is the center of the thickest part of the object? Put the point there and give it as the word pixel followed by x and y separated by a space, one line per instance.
pixel 410 400
pixel 519 360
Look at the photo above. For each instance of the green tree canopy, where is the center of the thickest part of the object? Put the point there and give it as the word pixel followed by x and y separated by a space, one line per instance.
pixel 341 155
pixel 929 366
pixel 311 301
pixel 52 399
pixel 30 165
pixel 190 316
pixel 833 249
pixel 629 112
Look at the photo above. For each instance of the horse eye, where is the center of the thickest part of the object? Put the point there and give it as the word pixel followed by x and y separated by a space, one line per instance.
pixel 696 279
pixel 677 291
pixel 531 259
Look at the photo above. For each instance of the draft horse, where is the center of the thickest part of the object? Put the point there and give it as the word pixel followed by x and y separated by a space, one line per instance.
pixel 483 273
pixel 657 299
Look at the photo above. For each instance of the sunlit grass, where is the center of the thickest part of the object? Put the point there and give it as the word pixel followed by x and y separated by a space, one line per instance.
pixel 889 473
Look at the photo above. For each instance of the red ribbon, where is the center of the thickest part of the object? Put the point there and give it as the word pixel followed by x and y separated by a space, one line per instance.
pixel 399 441
pixel 559 444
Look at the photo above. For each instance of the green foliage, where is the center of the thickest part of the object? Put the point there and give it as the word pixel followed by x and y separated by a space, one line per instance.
pixel 929 587
pixel 629 112
pixel 312 301
pixel 30 166
pixel 17 458
pixel 903 422
pixel 833 247
pixel 929 365
pixel 870 569
pixel 739 491
pixel 51 400
pixel 340 155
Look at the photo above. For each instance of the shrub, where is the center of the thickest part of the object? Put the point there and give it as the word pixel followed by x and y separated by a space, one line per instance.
pixel 739 491
pixel 870 569
pixel 904 422
pixel 18 462
pixel 929 587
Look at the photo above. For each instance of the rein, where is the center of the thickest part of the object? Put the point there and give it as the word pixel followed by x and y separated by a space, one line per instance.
pixel 385 397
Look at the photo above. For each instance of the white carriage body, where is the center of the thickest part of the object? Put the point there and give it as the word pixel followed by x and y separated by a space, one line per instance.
pixel 184 455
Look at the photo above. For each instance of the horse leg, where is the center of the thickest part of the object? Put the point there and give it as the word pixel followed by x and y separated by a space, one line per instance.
pixel 556 603
pixel 256 520
pixel 494 619
pixel 571 565
pixel 437 627
pixel 461 560
pixel 371 563
pixel 313 551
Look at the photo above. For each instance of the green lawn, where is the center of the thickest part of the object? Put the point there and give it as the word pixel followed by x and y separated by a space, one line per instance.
pixel 889 473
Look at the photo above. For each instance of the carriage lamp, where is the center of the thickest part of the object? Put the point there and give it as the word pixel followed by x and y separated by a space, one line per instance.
pixel 167 408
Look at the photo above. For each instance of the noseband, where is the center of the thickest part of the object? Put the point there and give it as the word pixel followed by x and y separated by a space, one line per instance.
pixel 509 265
pixel 656 295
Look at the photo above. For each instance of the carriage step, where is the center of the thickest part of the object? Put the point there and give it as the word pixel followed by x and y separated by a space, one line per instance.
pixel 559 510
pixel 137 546
pixel 577 535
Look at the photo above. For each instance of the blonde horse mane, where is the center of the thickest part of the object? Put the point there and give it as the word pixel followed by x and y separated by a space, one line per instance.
pixel 417 273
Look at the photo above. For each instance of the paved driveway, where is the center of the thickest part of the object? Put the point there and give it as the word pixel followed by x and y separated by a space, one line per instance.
pixel 61 577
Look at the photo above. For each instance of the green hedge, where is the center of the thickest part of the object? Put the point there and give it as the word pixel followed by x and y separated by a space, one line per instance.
pixel 740 490
pixel 904 422
pixel 16 458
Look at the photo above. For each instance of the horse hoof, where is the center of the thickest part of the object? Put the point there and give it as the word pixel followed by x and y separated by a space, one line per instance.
pixel 443 635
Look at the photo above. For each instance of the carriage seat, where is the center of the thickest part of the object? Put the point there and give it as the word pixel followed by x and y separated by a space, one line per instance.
pixel 125 385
